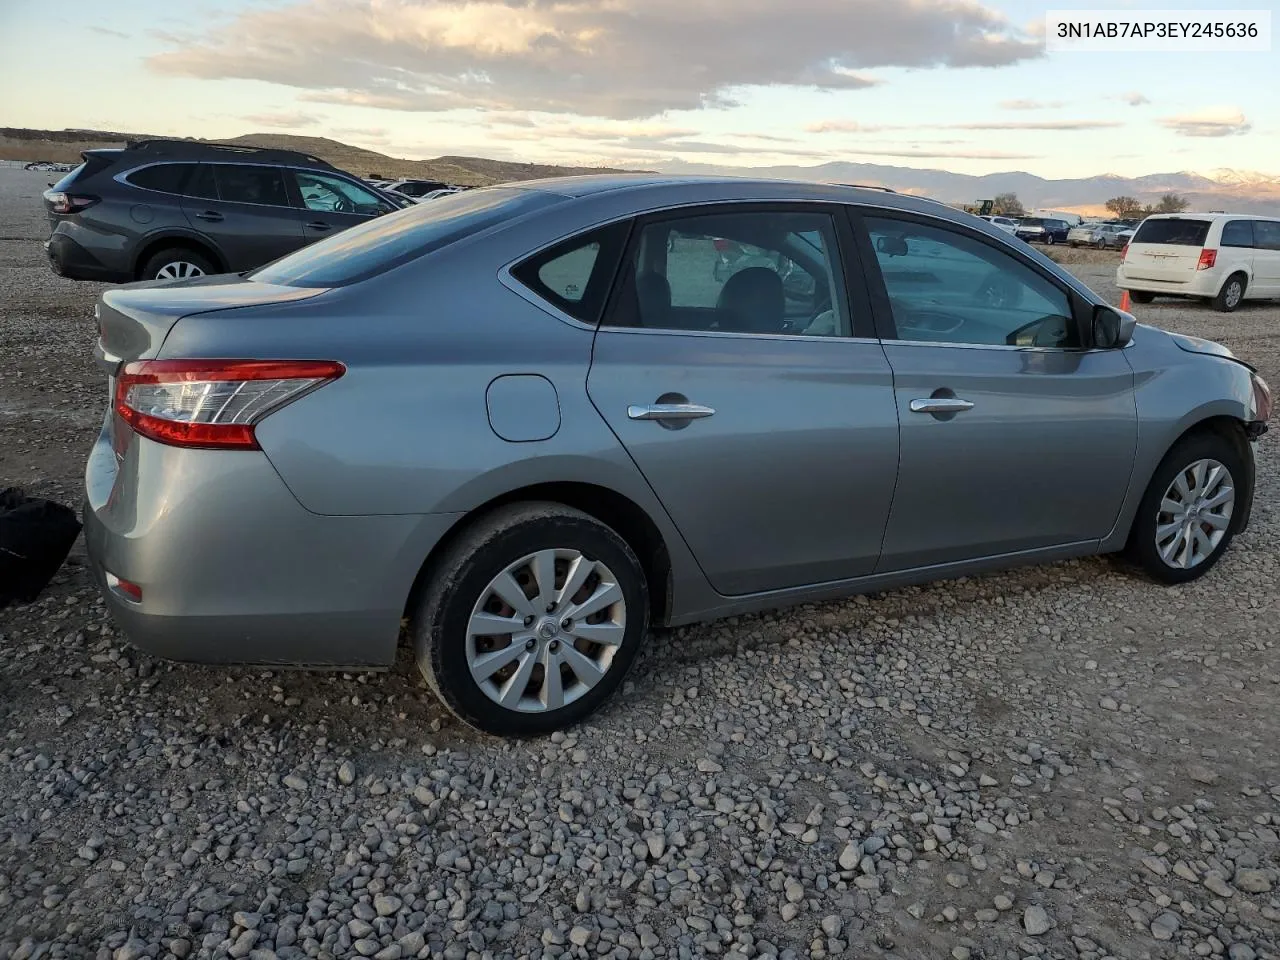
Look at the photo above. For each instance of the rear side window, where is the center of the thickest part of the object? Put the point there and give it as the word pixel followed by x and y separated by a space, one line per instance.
pixel 380 244
pixel 164 177
pixel 201 184
pixel 1237 233
pixel 1173 232
pixel 242 183
pixel 576 274
pixel 1266 234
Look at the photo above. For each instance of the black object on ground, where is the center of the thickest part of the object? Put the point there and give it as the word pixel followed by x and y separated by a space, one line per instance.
pixel 35 537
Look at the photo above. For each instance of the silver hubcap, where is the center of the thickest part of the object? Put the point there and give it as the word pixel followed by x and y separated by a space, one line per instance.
pixel 179 270
pixel 1234 293
pixel 545 630
pixel 1194 514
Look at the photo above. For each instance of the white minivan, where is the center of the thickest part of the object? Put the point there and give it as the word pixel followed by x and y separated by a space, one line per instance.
pixel 1224 258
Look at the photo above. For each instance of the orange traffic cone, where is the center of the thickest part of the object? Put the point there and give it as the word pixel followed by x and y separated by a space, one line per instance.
pixel 1124 300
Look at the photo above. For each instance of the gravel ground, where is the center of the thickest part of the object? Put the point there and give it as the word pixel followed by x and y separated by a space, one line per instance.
pixel 1063 761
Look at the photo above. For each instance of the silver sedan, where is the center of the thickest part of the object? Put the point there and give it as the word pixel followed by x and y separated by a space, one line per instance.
pixel 530 422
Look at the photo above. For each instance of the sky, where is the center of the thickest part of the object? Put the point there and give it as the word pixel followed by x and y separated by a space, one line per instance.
pixel 961 85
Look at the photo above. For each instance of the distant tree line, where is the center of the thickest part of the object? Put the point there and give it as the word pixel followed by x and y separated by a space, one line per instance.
pixel 1122 208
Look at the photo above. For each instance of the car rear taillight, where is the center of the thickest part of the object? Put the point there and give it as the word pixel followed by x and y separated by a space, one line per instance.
pixel 1124 252
pixel 212 404
pixel 1207 259
pixel 61 202
pixel 1262 404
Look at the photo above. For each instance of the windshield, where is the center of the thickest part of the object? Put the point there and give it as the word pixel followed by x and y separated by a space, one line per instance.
pixel 388 241
pixel 1173 232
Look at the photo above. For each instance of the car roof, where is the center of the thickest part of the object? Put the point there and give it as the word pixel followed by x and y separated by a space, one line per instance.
pixel 1212 216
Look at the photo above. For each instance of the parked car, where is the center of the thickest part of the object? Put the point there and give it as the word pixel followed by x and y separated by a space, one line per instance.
pixel 172 209
pixel 1007 224
pixel 1223 258
pixel 1042 230
pixel 1100 235
pixel 416 189
pixel 442 192
pixel 524 422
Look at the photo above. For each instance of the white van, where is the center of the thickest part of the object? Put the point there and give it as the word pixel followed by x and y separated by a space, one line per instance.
pixel 1223 257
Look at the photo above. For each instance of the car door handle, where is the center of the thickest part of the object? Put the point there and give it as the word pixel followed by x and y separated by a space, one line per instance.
pixel 319 225
pixel 213 216
pixel 941 405
pixel 668 411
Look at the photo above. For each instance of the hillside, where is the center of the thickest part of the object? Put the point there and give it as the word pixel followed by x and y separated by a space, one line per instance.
pixel 66 145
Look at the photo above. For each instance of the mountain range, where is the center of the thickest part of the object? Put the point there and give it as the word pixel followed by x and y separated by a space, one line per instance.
pixel 1222 189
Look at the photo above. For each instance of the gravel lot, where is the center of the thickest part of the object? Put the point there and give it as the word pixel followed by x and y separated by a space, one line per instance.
pixel 1064 761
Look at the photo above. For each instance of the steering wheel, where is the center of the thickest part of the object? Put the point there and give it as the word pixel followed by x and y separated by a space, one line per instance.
pixel 999 290
pixel 343 205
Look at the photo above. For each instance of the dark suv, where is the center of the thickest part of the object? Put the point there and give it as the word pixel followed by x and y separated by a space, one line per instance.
pixel 1042 230
pixel 172 208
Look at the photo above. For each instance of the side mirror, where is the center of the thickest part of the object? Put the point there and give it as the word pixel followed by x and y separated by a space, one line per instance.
pixel 1112 328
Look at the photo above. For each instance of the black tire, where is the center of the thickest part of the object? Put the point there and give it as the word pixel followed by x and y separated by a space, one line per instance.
pixel 1229 297
pixel 1101 244
pixel 463 575
pixel 1048 239
pixel 175 255
pixel 1073 243
pixel 1137 296
pixel 1142 547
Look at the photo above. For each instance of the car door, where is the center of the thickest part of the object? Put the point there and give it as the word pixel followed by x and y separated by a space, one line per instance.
pixel 741 375
pixel 245 209
pixel 1266 257
pixel 333 203
pixel 1015 436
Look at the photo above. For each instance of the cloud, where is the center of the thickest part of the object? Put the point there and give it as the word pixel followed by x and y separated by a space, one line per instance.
pixel 912 152
pixel 1214 122
pixel 1133 98
pixel 362 131
pixel 1032 104
pixel 623 59
pixel 1036 125
pixel 283 121
pixel 853 126
pixel 109 32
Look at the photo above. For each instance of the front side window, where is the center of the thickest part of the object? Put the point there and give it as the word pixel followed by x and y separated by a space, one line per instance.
pixel 244 183
pixel 327 194
pixel 948 287
pixel 763 272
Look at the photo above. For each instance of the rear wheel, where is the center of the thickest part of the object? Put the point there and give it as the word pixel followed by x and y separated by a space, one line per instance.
pixel 531 619
pixel 177 263
pixel 1137 296
pixel 1187 516
pixel 1048 239
pixel 1231 294
pixel 1101 244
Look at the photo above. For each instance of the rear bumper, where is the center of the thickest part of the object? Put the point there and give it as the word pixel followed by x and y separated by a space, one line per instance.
pixel 234 570
pixel 1202 283
pixel 68 259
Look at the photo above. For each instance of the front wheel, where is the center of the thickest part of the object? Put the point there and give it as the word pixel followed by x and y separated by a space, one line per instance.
pixel 531 619
pixel 1188 515
pixel 1137 296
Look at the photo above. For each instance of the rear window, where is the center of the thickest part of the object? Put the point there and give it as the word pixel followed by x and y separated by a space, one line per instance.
pixel 1174 232
pixel 164 177
pixel 95 161
pixel 396 238
pixel 1032 222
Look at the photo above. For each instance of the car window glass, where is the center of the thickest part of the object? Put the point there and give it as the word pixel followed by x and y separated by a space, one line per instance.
pixel 575 275
pixel 1173 232
pixel 243 183
pixel 163 177
pixel 1266 234
pixel 769 272
pixel 336 195
pixel 948 287
pixel 1237 233
pixel 202 184
pixel 382 243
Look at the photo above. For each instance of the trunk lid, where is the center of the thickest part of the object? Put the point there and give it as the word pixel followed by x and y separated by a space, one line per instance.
pixel 1166 248
pixel 134 319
